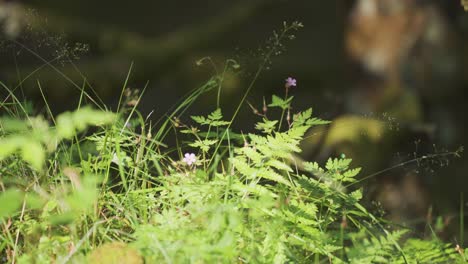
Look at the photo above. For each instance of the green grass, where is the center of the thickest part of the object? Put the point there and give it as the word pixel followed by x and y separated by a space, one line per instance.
pixel 95 186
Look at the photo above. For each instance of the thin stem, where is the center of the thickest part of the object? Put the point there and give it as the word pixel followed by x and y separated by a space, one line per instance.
pixel 284 110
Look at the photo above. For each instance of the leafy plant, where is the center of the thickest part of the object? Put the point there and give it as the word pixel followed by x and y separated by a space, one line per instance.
pixel 115 192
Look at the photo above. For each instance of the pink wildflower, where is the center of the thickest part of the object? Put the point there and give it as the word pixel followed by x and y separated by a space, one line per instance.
pixel 189 158
pixel 290 82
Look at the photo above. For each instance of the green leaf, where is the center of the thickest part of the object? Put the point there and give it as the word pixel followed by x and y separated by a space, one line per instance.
pixel 62 219
pixel 301 118
pixel 280 255
pixel 34 201
pixel 313 167
pixel 356 195
pixel 65 126
pixel 70 123
pixel 204 145
pixel 279 165
pixel 214 119
pixel 305 119
pixel 200 120
pixel 216 115
pixel 10 202
pixel 273 176
pixel 252 154
pixel 267 126
pixel 34 153
pixel 13 125
pixel 83 198
pixel 243 167
pixel 10 145
pixel 86 116
pixel 337 165
pixel 219 123
pixel 352 173
pixel 280 103
pixel 317 121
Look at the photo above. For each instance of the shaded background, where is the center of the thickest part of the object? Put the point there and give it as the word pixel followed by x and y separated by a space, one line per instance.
pixel 384 117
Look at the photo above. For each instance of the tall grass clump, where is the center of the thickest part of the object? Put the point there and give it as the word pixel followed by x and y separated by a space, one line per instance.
pixel 95 186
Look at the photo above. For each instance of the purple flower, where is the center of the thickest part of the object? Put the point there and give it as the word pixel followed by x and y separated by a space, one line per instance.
pixel 290 82
pixel 189 158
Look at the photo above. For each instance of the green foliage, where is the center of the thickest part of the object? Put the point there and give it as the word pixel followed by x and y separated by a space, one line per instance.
pixel 203 145
pixel 214 119
pixel 284 104
pixel 381 249
pixel 11 201
pixel 33 137
pixel 115 194
pixel 70 123
pixel 267 126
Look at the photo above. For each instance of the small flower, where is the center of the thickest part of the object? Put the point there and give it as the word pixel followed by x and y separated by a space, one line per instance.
pixel 290 82
pixel 115 159
pixel 189 158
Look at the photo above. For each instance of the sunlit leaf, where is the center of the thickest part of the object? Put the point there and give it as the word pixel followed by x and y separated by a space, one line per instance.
pixel 34 153
pixel 10 202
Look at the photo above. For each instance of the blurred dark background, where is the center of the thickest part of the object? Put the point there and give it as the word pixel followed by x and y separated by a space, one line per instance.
pixel 390 73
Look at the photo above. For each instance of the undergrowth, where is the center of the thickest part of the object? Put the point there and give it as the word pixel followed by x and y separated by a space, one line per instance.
pixel 96 186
